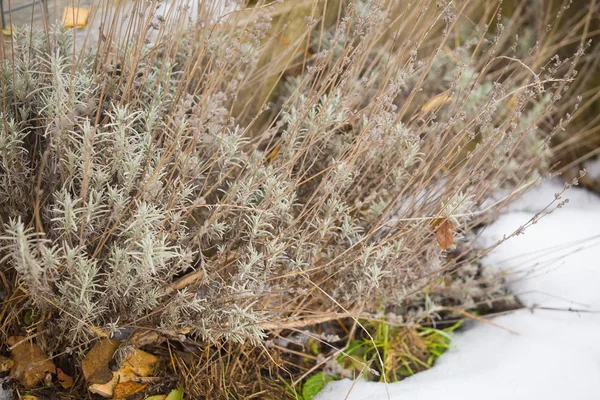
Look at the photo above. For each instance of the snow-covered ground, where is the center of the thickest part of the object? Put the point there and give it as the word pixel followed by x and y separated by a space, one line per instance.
pixel 555 353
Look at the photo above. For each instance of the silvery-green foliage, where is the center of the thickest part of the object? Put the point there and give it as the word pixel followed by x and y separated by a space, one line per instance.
pixel 113 201
pixel 121 177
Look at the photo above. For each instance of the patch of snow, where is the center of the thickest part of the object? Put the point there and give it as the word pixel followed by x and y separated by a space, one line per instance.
pixel 554 262
pixel 555 354
pixel 5 394
pixel 553 357
pixel 594 166
pixel 539 197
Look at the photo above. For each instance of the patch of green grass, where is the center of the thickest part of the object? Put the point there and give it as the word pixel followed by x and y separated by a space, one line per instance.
pixel 404 351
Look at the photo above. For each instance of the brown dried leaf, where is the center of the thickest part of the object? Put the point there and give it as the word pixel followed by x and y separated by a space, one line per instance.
pixel 95 363
pixel 437 222
pixel 444 234
pixel 65 380
pixel 31 364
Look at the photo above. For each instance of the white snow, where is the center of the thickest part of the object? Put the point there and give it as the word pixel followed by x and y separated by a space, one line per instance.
pixel 594 166
pixel 555 353
pixel 554 263
pixel 5 394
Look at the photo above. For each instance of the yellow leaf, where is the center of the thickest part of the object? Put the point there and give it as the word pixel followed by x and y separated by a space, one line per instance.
pixel 138 364
pixel 73 17
pixel 125 389
pixel 437 101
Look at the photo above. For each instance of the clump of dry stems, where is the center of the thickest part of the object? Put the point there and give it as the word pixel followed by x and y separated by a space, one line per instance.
pixel 202 179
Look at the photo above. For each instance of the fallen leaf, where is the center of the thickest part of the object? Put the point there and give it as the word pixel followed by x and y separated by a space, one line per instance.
pixel 75 17
pixel 157 397
pixel 105 390
pixel 95 363
pixel 437 101
pixel 125 389
pixel 6 364
pixel 444 235
pixel 31 364
pixel 65 380
pixel 140 363
pixel 437 222
pixel 137 364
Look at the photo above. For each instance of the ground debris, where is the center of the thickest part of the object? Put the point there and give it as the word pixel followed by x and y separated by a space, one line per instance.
pixel 6 364
pixel 118 384
pixel 95 363
pixel 30 364
pixel 64 380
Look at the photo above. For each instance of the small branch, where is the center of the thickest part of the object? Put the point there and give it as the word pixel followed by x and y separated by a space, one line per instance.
pixel 535 76
pixel 569 309
pixel 477 318
pixel 299 323
pixel 184 282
